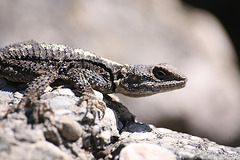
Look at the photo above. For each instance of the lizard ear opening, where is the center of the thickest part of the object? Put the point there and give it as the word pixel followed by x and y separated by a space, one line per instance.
pixel 119 75
pixel 122 73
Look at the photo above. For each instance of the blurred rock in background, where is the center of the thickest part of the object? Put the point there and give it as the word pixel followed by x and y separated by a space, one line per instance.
pixel 146 32
pixel 227 13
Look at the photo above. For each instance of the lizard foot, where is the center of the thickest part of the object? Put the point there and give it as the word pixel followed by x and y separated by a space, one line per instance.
pixel 94 106
pixel 38 110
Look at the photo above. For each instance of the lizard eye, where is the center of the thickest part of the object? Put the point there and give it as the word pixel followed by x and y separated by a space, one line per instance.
pixel 159 74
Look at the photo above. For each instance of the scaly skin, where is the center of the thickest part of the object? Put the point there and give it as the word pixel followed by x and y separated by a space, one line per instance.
pixel 41 64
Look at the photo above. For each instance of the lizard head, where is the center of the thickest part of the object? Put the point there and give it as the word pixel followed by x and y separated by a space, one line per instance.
pixel 145 80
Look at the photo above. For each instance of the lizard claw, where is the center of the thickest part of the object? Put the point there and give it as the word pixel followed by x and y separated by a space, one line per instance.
pixel 94 106
pixel 99 108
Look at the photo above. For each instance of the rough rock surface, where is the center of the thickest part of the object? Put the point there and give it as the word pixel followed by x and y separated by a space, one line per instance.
pixel 71 133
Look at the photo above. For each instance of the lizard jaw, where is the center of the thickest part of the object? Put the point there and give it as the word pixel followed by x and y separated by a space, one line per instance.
pixel 140 81
pixel 151 89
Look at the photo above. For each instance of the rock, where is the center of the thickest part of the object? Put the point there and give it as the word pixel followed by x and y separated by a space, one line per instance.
pixel 28 134
pixel 143 151
pixel 45 150
pixel 36 151
pixel 67 135
pixel 71 130
pixel 61 102
pixel 137 127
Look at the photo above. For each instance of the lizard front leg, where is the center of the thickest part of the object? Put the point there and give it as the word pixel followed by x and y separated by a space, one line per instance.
pixel 31 97
pixel 94 105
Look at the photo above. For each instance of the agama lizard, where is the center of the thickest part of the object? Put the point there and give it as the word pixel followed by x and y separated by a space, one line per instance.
pixel 41 64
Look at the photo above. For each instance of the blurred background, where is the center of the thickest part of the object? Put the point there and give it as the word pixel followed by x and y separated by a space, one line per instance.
pixel 190 35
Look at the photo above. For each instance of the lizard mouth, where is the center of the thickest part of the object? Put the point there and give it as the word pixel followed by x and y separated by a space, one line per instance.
pixel 151 88
pixel 148 80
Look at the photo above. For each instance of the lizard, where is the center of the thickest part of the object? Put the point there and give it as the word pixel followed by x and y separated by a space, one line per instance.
pixel 41 64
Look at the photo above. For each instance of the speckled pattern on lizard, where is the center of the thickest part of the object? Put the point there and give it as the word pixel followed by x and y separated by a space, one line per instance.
pixel 41 64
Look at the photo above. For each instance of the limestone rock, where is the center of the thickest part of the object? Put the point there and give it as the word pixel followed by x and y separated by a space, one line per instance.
pixel 64 135
pixel 143 151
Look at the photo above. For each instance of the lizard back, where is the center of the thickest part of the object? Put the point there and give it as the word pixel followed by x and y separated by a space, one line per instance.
pixel 22 62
